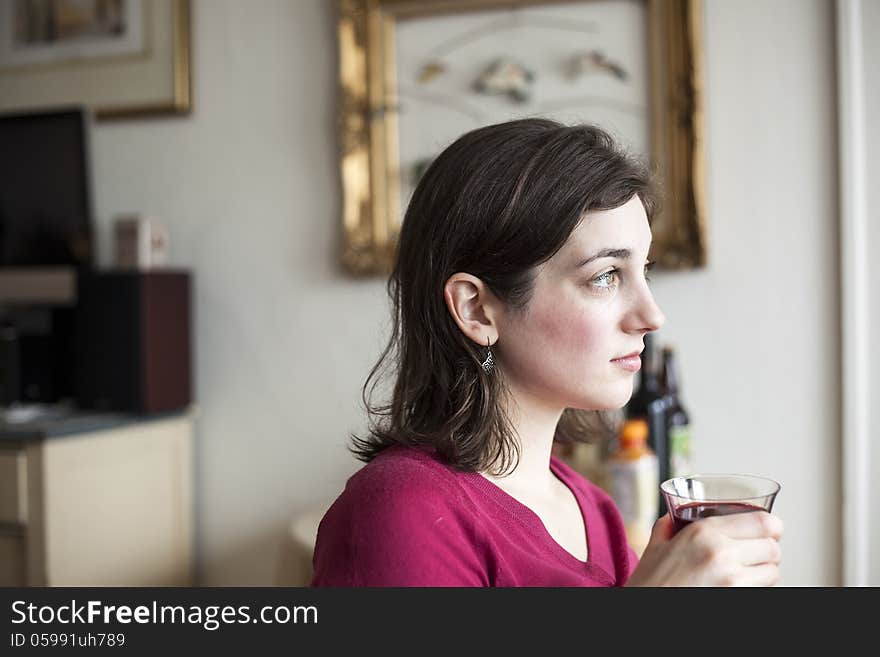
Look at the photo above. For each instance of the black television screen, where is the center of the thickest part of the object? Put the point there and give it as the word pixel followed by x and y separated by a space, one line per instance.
pixel 45 209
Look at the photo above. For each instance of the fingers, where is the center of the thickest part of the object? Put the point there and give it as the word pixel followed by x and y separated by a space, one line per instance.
pixel 755 551
pixel 754 524
pixel 662 528
pixel 766 574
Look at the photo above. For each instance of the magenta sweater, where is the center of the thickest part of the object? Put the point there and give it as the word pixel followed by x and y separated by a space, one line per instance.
pixel 408 519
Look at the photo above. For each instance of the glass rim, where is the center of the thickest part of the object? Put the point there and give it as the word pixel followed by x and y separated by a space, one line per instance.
pixel 773 487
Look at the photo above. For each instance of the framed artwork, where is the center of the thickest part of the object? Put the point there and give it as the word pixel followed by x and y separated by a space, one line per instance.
pixel 120 58
pixel 416 74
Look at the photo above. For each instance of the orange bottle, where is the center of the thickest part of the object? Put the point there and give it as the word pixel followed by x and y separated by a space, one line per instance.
pixel 632 473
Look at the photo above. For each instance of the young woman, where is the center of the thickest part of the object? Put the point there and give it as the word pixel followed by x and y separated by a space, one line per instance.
pixel 520 302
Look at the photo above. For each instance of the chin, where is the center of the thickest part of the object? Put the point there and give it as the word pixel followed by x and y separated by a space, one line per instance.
pixel 614 406
pixel 609 402
pixel 610 396
pixel 619 399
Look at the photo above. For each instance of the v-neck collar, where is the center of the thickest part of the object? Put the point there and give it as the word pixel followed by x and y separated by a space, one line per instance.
pixel 596 555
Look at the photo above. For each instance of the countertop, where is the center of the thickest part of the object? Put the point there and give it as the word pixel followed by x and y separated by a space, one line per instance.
pixel 51 423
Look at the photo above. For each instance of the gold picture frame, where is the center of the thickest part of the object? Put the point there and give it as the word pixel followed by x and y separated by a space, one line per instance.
pixel 368 124
pixel 153 81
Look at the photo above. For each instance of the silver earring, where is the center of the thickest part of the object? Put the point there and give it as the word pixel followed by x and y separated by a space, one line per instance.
pixel 488 365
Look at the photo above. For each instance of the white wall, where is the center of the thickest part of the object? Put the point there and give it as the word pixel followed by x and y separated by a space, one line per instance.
pixel 871 63
pixel 249 187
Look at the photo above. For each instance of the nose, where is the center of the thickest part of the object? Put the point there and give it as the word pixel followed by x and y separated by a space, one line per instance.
pixel 646 315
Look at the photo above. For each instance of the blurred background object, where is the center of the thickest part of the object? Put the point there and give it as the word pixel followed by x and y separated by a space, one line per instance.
pixel 96 405
pixel 140 242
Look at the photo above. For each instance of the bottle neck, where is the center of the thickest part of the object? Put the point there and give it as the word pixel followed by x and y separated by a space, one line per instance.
pixel 648 380
pixel 670 373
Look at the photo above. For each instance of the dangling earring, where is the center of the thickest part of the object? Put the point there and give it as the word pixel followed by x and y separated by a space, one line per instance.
pixel 488 364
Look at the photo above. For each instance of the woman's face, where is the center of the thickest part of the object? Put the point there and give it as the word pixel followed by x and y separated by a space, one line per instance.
pixel 591 305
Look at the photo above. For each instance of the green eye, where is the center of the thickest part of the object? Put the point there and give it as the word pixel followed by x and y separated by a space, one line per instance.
pixel 608 279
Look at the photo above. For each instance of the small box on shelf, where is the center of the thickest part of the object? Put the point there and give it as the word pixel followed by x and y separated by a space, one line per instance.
pixel 139 242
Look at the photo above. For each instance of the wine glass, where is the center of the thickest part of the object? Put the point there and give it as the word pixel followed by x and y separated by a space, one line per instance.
pixel 704 495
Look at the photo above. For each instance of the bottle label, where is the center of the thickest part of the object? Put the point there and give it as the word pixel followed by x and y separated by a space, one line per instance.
pixel 634 488
pixel 680 451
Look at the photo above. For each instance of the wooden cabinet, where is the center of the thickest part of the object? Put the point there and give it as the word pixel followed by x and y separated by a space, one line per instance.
pixel 109 507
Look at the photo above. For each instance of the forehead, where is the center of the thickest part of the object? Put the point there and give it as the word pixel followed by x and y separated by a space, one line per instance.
pixel 625 227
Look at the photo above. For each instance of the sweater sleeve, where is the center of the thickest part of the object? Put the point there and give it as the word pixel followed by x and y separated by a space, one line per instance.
pixel 402 529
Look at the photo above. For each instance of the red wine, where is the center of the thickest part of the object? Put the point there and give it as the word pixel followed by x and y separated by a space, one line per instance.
pixel 688 513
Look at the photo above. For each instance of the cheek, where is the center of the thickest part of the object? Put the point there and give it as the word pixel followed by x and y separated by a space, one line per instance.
pixel 572 332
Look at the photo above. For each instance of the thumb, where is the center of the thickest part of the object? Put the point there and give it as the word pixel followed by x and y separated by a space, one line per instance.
pixel 662 530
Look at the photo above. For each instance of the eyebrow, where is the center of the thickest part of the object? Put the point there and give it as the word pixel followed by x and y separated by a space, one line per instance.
pixel 623 254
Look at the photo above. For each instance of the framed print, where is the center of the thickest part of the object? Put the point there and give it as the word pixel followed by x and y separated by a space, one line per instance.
pixel 416 74
pixel 120 58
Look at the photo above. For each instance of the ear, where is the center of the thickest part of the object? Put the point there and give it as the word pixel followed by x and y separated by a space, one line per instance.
pixel 473 307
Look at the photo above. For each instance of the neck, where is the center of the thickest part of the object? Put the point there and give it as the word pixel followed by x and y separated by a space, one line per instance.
pixel 535 426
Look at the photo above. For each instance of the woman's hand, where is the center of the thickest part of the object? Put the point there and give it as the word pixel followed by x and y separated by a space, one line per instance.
pixel 735 550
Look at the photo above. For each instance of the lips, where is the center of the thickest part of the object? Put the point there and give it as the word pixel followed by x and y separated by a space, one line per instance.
pixel 633 354
pixel 630 363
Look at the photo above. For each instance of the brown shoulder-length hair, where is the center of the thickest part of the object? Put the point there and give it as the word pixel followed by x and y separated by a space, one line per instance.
pixel 497 203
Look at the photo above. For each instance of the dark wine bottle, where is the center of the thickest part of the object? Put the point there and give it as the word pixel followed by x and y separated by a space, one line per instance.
pixel 678 421
pixel 649 403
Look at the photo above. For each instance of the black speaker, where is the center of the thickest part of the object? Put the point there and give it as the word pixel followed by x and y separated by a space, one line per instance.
pixel 36 354
pixel 10 359
pixel 133 341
